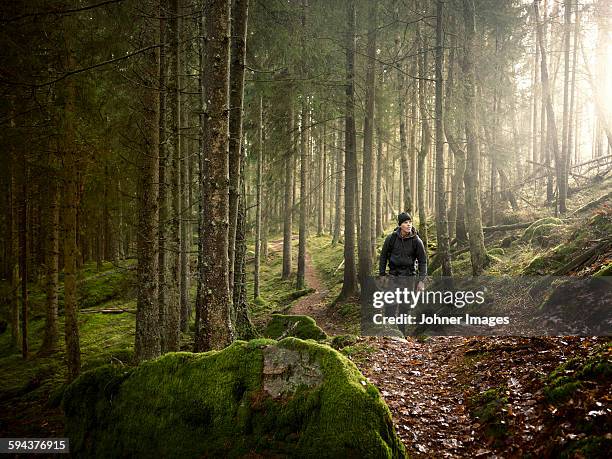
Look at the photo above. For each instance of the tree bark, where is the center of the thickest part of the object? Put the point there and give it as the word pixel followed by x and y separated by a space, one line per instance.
pixel 473 214
pixel 349 286
pixel 425 142
pixel 365 242
pixel 258 203
pixel 147 341
pixel 51 337
pixel 443 251
pixel 288 187
pixel 214 329
pixel 301 271
pixel 239 17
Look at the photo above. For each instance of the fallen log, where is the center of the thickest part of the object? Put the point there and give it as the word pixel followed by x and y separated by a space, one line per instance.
pixel 107 311
pixel 582 258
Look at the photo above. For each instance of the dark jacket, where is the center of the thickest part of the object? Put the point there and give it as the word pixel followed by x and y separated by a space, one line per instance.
pixel 401 254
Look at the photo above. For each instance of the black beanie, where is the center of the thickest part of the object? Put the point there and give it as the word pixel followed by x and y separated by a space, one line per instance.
pixel 401 218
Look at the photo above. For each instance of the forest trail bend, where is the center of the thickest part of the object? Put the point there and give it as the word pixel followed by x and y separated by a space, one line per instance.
pixel 316 304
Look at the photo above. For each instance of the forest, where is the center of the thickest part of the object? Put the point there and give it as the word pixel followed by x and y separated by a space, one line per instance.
pixel 198 197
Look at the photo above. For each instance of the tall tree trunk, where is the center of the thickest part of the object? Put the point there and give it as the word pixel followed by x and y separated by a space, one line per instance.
pixel 14 247
pixel 401 96
pixel 185 158
pixel 443 251
pixel 147 341
pixel 51 337
pixel 258 203
pixel 473 214
pixel 570 134
pixel 550 114
pixel 162 260
pixel 214 330
pixel 425 142
pixel 349 286
pixel 339 188
pixel 23 254
pixel 288 187
pixel 301 271
pixel 365 241
pixel 562 183
pixel 379 167
pixel 535 157
pixel 238 20
pixel 173 317
pixel 244 327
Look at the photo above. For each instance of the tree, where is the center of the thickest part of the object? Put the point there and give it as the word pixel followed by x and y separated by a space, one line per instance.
pixel 214 327
pixel 443 252
pixel 239 17
pixel 148 345
pixel 365 243
pixel 473 216
pixel 349 286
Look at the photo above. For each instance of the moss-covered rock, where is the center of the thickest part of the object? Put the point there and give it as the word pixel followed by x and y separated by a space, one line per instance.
pixel 303 327
pixel 253 399
pixel 539 228
pixel 497 252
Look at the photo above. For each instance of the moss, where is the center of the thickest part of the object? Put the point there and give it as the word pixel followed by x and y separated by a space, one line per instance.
pixel 488 408
pixel 605 270
pixel 533 231
pixel 303 327
pixel 342 341
pixel 594 447
pixel 215 404
pixel 562 383
pixel 497 251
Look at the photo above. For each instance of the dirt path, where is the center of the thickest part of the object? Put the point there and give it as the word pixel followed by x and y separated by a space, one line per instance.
pixel 315 304
pixel 419 382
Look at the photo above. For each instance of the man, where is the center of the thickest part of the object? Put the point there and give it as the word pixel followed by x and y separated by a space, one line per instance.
pixel 402 249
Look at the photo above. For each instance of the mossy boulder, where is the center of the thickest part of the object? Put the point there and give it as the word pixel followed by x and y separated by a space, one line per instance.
pixel 497 252
pixel 303 327
pixel 260 398
pixel 538 229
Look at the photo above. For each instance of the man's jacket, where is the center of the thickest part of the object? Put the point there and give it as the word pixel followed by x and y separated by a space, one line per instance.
pixel 401 254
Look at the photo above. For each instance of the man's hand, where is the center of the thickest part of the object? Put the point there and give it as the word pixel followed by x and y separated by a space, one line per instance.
pixel 421 286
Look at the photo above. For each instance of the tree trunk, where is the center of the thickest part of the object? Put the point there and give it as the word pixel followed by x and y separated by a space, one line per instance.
pixel 301 271
pixel 238 51
pixel 23 255
pixel 339 188
pixel 349 286
pixel 14 229
pixel 147 342
pixel 258 203
pixel 562 180
pixel 473 214
pixel 244 327
pixel 425 142
pixel 288 187
pixel 214 330
pixel 162 262
pixel 550 114
pixel 365 242
pixel 173 317
pixel 401 96
pixel 50 340
pixel 443 251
